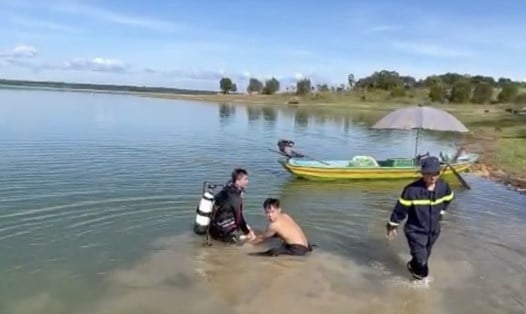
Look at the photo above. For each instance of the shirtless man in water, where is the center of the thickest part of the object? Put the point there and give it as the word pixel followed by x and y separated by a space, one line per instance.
pixel 283 226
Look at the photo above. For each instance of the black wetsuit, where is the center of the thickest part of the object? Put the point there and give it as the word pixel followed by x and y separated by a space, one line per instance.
pixel 424 210
pixel 286 249
pixel 228 215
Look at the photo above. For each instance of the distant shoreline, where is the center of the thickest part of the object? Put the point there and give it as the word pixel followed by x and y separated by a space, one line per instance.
pixel 104 91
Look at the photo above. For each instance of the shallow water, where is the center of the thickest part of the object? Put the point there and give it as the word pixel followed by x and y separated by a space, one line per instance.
pixel 97 199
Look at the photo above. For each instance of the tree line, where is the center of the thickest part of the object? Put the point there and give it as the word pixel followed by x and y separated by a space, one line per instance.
pixel 101 87
pixel 448 87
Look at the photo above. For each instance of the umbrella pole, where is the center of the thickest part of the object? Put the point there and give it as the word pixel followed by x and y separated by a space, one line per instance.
pixel 416 144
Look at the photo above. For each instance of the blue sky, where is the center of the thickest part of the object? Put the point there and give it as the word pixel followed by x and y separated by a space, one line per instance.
pixel 192 44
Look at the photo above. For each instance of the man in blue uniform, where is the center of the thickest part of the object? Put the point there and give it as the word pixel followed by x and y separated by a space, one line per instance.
pixel 423 202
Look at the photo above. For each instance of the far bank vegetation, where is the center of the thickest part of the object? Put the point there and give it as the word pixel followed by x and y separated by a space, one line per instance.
pixel 383 85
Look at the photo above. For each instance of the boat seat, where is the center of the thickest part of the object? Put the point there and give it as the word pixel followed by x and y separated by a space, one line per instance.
pixel 363 162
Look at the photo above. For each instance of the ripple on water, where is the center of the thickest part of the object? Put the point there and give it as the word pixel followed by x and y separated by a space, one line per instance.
pixel 81 200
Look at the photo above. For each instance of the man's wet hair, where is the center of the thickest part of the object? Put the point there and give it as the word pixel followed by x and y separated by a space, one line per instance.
pixel 274 202
pixel 237 173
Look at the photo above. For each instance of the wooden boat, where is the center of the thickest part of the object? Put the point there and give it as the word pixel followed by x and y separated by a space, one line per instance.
pixel 367 168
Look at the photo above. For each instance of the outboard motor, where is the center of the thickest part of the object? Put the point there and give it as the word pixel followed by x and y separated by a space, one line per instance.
pixel 205 208
pixel 285 147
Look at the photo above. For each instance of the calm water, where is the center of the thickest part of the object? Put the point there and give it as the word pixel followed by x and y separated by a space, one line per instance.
pixel 97 199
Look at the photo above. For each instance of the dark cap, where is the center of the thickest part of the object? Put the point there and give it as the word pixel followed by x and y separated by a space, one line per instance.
pixel 430 165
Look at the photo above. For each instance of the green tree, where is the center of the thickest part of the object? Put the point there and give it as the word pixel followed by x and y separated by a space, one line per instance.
pixel 450 79
pixel 234 88
pixel 386 80
pixel 437 92
pixel 225 84
pixel 351 80
pixel 408 81
pixel 323 88
pixel 254 85
pixel 432 80
pixel 508 93
pixel 398 91
pixel 483 79
pixel 520 99
pixel 483 93
pixel 303 87
pixel 461 91
pixel 504 81
pixel 271 86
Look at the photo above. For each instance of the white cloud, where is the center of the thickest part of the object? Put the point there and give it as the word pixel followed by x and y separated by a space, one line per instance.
pixel 299 76
pixel 14 3
pixel 384 28
pixel 195 74
pixel 21 51
pixel 96 64
pixel 431 50
pixel 118 18
pixel 40 24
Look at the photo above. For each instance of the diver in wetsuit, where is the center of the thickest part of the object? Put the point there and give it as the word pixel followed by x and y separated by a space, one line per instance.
pixel 423 202
pixel 283 226
pixel 228 212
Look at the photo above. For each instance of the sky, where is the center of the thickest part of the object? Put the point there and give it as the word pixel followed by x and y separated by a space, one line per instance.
pixel 192 44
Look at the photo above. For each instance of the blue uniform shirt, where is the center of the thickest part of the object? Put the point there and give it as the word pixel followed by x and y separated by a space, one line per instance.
pixel 422 208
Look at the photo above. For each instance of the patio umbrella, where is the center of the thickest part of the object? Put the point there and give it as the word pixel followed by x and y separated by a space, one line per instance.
pixel 422 118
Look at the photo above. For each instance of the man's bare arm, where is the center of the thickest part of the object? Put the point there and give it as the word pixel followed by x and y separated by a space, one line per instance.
pixel 269 233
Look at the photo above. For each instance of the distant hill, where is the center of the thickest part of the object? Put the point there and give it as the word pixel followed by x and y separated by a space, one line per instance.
pixel 102 87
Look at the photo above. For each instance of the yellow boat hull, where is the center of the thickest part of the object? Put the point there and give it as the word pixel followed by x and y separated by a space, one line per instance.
pixel 373 173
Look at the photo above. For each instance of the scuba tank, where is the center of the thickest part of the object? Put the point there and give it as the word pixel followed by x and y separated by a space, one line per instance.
pixel 205 208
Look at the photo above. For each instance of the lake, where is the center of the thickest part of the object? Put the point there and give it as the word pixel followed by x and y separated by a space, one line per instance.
pixel 98 195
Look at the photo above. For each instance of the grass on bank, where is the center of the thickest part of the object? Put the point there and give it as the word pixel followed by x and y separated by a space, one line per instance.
pixel 501 141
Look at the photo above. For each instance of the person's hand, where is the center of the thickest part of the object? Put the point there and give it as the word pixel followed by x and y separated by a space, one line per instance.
pixel 390 231
pixel 251 236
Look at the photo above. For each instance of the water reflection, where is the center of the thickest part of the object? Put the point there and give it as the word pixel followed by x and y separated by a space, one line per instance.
pixel 269 114
pixel 253 113
pixel 226 112
pixel 320 119
pixel 301 119
pixel 345 126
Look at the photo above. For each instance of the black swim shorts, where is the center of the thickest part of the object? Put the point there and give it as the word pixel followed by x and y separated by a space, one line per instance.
pixel 286 249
